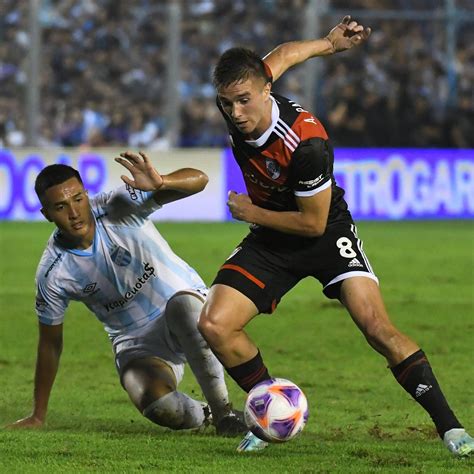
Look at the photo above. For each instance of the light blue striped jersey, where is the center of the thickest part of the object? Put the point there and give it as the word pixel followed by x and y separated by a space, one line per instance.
pixel 125 278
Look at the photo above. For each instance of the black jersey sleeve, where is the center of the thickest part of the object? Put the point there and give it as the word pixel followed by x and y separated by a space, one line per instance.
pixel 311 167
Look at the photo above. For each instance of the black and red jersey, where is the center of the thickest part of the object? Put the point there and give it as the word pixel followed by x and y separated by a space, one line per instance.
pixel 292 158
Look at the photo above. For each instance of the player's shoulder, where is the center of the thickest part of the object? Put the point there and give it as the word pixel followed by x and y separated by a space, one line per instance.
pixel 302 123
pixel 100 203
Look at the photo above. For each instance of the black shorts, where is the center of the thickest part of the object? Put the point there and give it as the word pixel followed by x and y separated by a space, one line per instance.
pixel 264 273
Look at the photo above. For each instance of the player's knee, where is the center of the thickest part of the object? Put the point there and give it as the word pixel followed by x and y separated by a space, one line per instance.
pixel 167 411
pixel 212 328
pixel 379 331
pixel 207 328
pixel 182 312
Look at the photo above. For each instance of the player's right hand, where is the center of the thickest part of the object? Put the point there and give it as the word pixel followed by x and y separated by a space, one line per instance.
pixel 28 422
pixel 347 34
pixel 145 175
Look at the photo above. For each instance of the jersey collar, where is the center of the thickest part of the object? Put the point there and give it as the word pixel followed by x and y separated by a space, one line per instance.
pixel 262 139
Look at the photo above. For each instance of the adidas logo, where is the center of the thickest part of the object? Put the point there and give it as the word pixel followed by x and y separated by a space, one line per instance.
pixel 355 263
pixel 421 389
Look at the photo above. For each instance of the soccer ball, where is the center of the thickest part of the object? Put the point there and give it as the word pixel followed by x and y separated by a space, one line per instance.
pixel 276 410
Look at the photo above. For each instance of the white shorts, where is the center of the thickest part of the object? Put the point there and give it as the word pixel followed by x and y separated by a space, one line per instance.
pixel 152 340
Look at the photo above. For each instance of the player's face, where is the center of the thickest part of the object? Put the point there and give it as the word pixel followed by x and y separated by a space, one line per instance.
pixel 248 105
pixel 67 205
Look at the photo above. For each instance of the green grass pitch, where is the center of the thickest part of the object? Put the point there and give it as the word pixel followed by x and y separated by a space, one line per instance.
pixel 360 419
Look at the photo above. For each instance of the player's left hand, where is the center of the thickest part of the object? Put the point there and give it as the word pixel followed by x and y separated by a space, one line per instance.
pixel 145 176
pixel 347 34
pixel 240 206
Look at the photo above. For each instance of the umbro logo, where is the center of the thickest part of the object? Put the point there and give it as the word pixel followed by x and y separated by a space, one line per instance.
pixel 421 389
pixel 89 288
pixel 355 263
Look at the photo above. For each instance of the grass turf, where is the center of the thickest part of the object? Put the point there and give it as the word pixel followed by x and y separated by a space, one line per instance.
pixel 360 419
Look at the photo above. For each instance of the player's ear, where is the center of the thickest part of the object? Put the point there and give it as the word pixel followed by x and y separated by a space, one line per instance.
pixel 267 89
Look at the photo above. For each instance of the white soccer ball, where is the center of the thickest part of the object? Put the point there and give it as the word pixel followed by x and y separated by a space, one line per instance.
pixel 276 410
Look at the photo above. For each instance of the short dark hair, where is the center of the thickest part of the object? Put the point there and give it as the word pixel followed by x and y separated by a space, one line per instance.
pixel 238 64
pixel 53 175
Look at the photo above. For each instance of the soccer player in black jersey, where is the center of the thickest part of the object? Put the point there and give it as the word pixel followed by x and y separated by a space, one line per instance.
pixel 300 226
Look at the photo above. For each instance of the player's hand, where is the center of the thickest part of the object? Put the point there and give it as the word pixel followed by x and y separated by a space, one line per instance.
pixel 28 422
pixel 347 34
pixel 240 207
pixel 145 176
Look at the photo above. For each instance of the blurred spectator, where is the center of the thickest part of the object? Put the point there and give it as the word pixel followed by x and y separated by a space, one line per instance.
pixel 104 72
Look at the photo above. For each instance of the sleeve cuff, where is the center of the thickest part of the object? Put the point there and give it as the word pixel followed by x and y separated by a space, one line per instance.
pixel 312 192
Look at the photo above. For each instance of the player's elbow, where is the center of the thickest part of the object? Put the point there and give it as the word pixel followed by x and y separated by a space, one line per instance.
pixel 315 229
pixel 203 179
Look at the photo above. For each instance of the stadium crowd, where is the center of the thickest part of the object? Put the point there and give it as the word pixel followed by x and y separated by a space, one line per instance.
pixel 103 69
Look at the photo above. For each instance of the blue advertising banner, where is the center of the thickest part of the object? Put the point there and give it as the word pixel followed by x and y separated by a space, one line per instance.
pixel 379 183
pixel 387 183
pixel 99 172
pixel 17 196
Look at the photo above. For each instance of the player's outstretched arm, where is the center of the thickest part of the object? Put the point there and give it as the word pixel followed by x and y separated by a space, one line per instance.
pixel 167 188
pixel 47 363
pixel 342 37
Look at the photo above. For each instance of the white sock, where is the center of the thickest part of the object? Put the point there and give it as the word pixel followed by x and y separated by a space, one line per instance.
pixel 176 410
pixel 182 314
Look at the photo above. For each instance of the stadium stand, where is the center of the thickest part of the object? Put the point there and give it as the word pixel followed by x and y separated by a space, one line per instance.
pixel 104 62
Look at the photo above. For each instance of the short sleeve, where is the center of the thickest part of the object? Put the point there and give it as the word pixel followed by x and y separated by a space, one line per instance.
pixel 125 201
pixel 50 304
pixel 311 165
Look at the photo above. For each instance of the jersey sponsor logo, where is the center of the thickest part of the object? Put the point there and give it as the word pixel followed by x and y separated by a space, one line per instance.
pixel 311 120
pixel 311 182
pixel 91 289
pixel 136 288
pixel 273 168
pixel 264 185
pixel 132 192
pixel 120 256
pixel 56 260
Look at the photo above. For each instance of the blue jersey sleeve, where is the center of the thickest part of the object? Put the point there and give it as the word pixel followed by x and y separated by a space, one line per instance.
pixel 125 201
pixel 50 304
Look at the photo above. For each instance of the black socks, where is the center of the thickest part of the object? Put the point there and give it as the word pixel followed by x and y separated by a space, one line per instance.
pixel 250 373
pixel 414 374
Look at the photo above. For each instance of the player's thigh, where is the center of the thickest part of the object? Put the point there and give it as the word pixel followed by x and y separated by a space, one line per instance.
pixel 339 256
pixel 147 379
pixel 227 309
pixel 260 274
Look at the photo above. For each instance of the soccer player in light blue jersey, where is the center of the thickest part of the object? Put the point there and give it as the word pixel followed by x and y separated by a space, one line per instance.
pixel 108 254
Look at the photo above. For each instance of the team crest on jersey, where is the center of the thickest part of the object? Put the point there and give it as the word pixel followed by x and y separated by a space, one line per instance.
pixel 120 256
pixel 273 168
